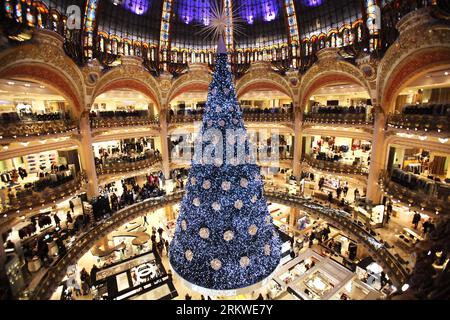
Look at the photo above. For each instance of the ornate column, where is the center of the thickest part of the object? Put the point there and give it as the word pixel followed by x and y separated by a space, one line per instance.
pixel 298 118
pixel 87 156
pixel 169 212
pixel 293 214
pixel 164 142
pixel 377 156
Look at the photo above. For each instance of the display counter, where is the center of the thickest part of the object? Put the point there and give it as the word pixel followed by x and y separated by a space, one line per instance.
pixel 408 238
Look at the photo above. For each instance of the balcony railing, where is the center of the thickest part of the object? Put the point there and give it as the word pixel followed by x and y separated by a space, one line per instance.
pixel 47 193
pixel 343 220
pixel 338 118
pixel 29 128
pixel 85 241
pixel 415 122
pixel 121 165
pixel 248 117
pixel 430 195
pixel 117 122
pixel 336 166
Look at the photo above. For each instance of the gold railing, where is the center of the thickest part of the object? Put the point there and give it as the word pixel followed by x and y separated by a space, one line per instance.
pixel 336 118
pixel 31 199
pixel 417 199
pixel 113 122
pixel 248 117
pixel 127 166
pixel 335 166
pixel 36 128
pixel 414 122
pixel 56 273
pixel 337 217
pixel 343 220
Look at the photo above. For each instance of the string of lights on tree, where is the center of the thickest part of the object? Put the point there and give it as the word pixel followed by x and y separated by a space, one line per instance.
pixel 224 236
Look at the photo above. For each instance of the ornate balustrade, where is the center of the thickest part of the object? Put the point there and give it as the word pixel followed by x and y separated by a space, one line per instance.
pixel 11 130
pixel 415 122
pixel 336 166
pixel 268 117
pixel 434 200
pixel 30 199
pixel 175 119
pixel 117 122
pixel 344 221
pixel 122 166
pixel 84 242
pixel 248 117
pixel 338 118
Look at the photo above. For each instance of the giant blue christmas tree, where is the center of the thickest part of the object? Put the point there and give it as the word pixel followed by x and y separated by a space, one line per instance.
pixel 224 237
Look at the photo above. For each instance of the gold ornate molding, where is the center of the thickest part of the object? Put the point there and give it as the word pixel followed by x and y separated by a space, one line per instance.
pixel 130 74
pixel 421 39
pixel 44 60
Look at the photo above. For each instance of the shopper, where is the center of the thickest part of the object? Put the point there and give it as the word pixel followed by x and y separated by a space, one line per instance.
pixel 345 189
pixel 57 219
pixel 416 219
pixel 388 217
pixel 72 206
pixel 160 232
pixel 321 183
pixel 356 194
pixel 330 197
pixel 187 297
pixel 338 192
pixel 389 207
pixel 69 217
pixel 426 226
pixel 145 221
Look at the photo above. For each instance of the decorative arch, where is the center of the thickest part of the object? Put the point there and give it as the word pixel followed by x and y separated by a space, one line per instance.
pixel 410 68
pixel 198 78
pixel 127 83
pixel 45 62
pixel 262 85
pixel 181 88
pixel 45 74
pixel 262 78
pixel 421 46
pixel 330 71
pixel 129 76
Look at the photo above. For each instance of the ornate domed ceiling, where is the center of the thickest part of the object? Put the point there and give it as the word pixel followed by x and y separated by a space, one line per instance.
pixel 167 34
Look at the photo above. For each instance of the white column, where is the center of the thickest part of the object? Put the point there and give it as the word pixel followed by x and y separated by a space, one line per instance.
pixel 87 156
pixel 377 157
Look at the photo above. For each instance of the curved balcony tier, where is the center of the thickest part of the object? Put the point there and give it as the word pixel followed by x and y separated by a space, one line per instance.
pixel 336 118
pixel 335 166
pixel 428 123
pixel 248 117
pixel 47 193
pixel 128 164
pixel 118 122
pixel 20 129
pixel 85 241
pixel 341 219
pixel 436 199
